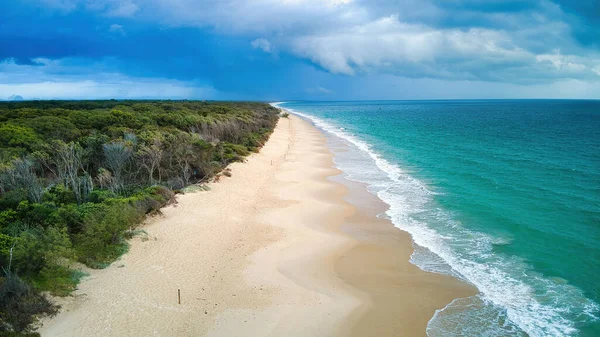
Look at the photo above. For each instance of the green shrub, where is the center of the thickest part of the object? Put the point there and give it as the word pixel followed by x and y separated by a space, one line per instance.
pixel 68 216
pixel 59 195
pixel 34 214
pixel 38 248
pixel 76 177
pixel 6 244
pixel 18 334
pixel 234 152
pixel 58 280
pixel 19 305
pixel 11 199
pixel 101 240
pixel 18 136
pixel 99 196
pixel 53 127
pixel 7 217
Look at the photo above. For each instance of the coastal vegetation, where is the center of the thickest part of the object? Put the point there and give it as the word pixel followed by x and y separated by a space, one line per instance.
pixel 77 177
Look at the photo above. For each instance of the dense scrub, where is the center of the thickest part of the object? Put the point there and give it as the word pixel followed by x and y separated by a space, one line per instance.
pixel 77 176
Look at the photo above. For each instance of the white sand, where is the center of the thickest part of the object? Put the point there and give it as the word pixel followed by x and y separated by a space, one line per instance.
pixel 262 254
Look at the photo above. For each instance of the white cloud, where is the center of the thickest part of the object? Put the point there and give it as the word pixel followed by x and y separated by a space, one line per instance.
pixel 58 79
pixel 563 62
pixel 117 29
pixel 61 5
pixel 405 38
pixel 319 90
pixel 377 86
pixel 90 89
pixel 262 44
pixel 391 45
pixel 116 8
pixel 255 17
pixel 350 37
pixel 123 9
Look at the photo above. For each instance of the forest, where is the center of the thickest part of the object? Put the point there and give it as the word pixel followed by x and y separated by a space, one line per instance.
pixel 78 177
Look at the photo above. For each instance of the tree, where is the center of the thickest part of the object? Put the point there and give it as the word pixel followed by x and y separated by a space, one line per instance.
pixel 150 156
pixel 64 148
pixel 14 135
pixel 85 186
pixel 101 239
pixel 21 174
pixel 191 155
pixel 53 127
pixel 116 157
pixel 39 248
pixel 68 160
pixel 104 178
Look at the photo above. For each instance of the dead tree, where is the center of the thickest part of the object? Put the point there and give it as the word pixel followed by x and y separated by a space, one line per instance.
pixel 116 157
pixel 149 157
pixel 68 159
pixel 20 173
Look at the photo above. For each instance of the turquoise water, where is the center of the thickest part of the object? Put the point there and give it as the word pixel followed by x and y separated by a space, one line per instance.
pixel 502 194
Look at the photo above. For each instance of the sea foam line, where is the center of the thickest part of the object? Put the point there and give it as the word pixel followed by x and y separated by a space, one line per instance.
pixel 544 313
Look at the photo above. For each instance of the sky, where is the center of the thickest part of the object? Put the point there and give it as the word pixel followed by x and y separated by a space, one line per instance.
pixel 275 50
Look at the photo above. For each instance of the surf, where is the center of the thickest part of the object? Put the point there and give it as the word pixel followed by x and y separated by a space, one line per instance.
pixel 514 299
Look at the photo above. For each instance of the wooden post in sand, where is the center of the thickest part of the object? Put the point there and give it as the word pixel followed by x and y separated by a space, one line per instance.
pixel 179 296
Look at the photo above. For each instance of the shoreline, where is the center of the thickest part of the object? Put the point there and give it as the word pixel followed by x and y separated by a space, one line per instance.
pixel 393 280
pixel 286 246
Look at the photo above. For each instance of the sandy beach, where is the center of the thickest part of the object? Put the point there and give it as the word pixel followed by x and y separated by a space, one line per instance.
pixel 284 247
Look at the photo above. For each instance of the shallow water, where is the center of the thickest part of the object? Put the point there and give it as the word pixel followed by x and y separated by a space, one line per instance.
pixel 502 194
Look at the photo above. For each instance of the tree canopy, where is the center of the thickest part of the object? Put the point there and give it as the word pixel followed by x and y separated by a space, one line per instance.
pixel 76 176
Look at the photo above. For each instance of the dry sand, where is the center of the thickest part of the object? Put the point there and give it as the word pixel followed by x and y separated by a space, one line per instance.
pixel 285 247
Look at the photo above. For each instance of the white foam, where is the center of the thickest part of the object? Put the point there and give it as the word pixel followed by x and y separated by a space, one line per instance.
pixel 537 305
pixel 449 322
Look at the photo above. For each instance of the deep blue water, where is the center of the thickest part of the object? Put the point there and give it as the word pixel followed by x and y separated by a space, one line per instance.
pixel 503 194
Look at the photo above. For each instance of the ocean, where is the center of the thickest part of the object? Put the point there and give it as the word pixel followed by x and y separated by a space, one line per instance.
pixel 503 194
